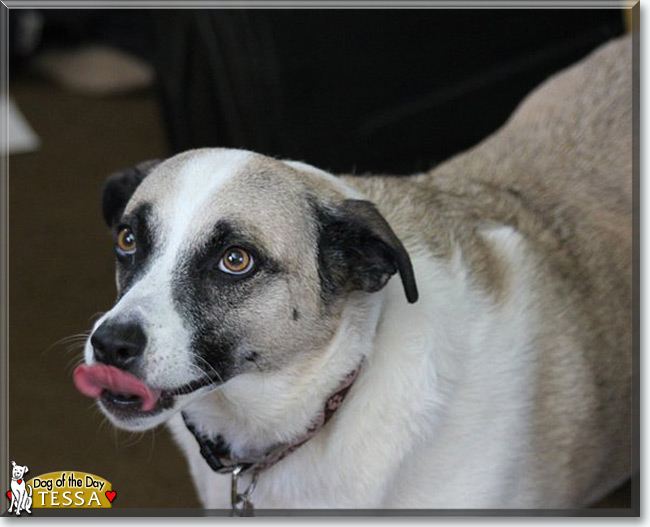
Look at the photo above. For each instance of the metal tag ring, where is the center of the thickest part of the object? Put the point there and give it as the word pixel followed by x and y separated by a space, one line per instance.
pixel 241 500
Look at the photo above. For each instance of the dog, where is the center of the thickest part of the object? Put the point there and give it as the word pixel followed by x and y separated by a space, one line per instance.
pixel 455 339
pixel 21 493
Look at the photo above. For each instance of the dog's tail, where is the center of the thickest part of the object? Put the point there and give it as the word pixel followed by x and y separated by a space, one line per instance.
pixel 29 490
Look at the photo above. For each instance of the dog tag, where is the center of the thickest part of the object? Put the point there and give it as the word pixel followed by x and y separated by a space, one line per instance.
pixel 243 506
pixel 240 501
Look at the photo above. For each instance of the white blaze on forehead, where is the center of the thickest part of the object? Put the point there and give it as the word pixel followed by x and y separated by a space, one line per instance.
pixel 179 189
pixel 196 180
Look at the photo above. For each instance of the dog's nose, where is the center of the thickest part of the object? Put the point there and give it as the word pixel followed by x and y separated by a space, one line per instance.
pixel 118 344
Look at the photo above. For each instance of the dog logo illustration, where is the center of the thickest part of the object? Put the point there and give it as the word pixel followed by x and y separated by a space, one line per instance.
pixel 20 493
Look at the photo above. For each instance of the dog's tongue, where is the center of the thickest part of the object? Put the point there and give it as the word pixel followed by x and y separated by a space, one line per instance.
pixel 93 380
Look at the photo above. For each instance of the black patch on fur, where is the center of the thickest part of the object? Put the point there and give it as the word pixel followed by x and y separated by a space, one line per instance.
pixel 208 299
pixel 119 187
pixel 131 267
pixel 358 250
pixel 295 314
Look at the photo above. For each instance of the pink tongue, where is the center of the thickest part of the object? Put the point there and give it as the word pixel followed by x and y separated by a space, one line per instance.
pixel 93 380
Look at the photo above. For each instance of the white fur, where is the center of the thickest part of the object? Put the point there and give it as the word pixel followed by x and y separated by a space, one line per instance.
pixel 419 427
pixel 150 299
pixel 199 178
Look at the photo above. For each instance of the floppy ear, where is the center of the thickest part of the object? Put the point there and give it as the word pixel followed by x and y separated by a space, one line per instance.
pixel 359 251
pixel 119 188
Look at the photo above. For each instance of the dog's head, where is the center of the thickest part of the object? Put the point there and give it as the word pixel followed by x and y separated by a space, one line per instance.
pixel 228 263
pixel 17 471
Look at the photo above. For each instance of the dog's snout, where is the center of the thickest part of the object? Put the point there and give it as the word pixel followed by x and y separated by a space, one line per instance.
pixel 118 344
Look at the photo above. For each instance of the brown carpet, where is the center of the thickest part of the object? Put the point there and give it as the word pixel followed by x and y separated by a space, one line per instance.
pixel 61 276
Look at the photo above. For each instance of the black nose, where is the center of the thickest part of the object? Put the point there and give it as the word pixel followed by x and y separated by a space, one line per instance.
pixel 118 344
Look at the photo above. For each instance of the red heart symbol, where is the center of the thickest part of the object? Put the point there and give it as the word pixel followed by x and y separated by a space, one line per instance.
pixel 9 494
pixel 110 494
pixel 20 481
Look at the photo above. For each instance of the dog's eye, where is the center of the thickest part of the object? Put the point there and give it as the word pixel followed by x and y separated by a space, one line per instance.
pixel 126 243
pixel 236 261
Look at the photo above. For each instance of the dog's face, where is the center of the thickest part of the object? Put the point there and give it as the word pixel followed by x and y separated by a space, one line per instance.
pixel 230 263
pixel 17 472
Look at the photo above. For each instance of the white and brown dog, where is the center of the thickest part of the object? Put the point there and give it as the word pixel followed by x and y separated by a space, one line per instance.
pixel 260 315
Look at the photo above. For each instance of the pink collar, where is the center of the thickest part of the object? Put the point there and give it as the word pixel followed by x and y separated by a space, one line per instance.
pixel 218 455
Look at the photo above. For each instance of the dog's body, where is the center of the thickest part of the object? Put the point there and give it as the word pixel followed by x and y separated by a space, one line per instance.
pixel 21 493
pixel 506 385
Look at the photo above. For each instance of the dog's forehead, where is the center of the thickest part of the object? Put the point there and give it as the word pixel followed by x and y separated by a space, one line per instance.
pixel 191 192
pixel 189 179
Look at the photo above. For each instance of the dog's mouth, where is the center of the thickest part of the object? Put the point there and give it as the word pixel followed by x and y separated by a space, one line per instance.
pixel 124 394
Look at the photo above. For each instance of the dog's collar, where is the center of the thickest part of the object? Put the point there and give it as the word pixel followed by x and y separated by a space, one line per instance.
pixel 219 457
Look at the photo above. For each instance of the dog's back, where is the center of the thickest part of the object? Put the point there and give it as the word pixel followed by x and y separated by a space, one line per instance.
pixel 568 154
pixel 559 175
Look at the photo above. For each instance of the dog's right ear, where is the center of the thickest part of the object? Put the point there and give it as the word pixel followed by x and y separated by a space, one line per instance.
pixel 13 463
pixel 119 188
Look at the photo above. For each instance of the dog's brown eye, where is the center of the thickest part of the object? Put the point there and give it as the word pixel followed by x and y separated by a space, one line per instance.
pixel 236 261
pixel 126 241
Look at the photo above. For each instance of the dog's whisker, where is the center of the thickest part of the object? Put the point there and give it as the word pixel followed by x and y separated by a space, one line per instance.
pixel 95 410
pixel 73 363
pixel 209 375
pixel 95 316
pixel 75 347
pixel 116 438
pixel 104 423
pixel 199 370
pixel 74 354
pixel 77 337
pixel 132 439
pixel 153 444
pixel 75 344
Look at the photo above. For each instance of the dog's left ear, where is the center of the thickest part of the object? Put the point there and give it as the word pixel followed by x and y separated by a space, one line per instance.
pixel 358 250
pixel 119 188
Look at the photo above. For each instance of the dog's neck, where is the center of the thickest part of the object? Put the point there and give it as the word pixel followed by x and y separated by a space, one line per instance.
pixel 256 411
